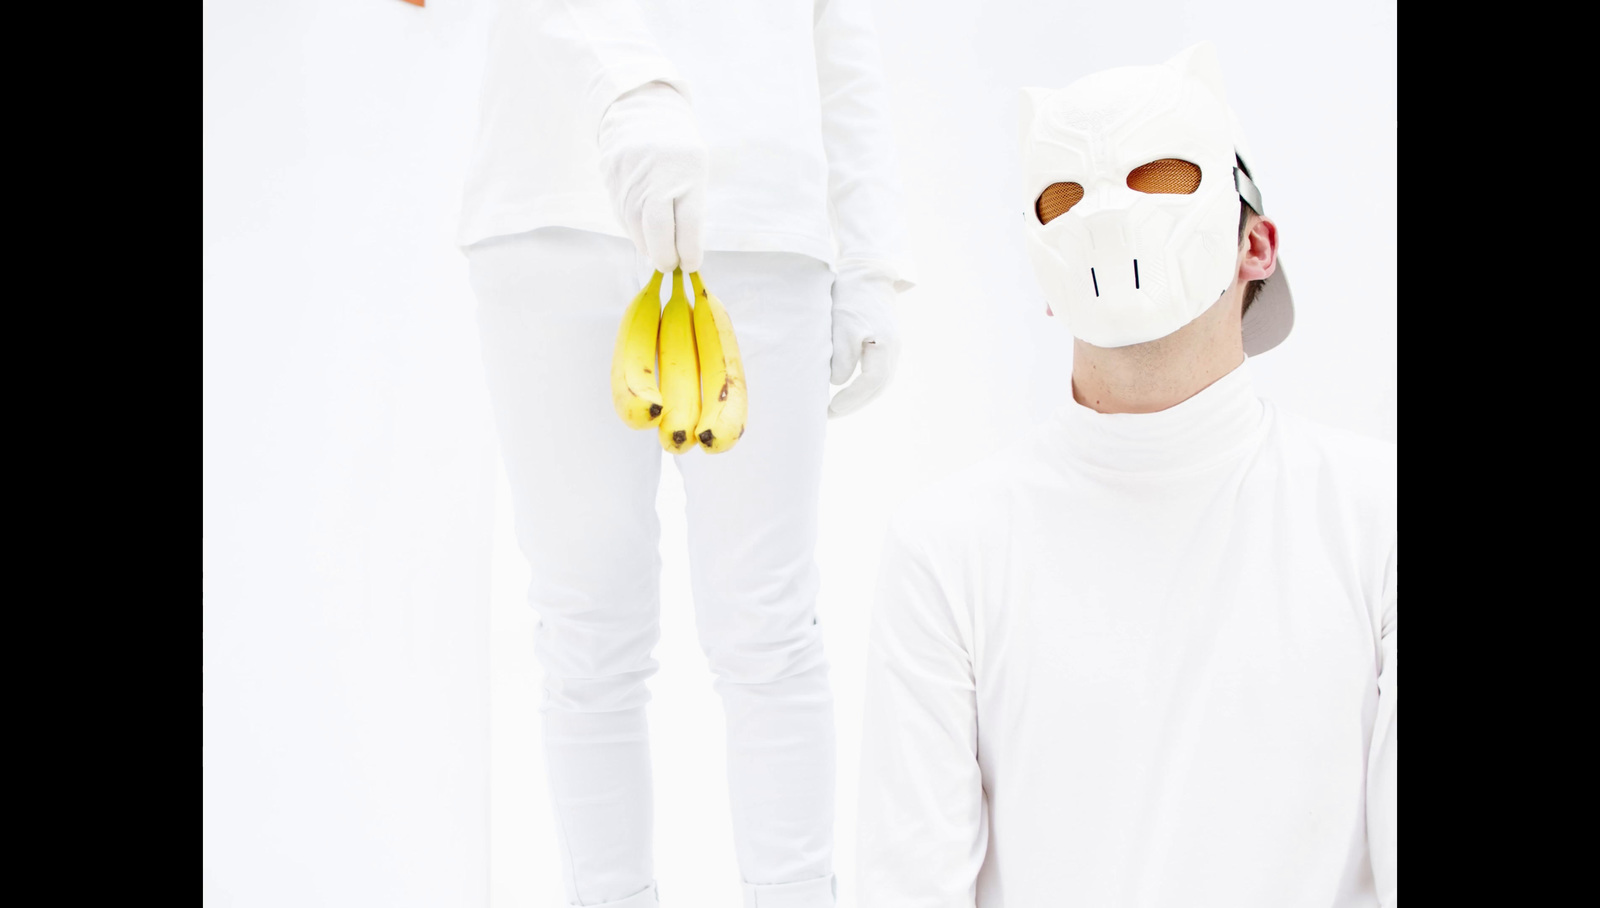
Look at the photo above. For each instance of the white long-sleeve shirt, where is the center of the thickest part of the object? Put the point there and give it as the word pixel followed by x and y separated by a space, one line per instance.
pixel 1141 660
pixel 789 96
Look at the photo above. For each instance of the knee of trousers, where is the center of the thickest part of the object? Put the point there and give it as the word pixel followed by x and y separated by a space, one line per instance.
pixel 608 694
pixel 596 654
pixel 766 660
pixel 758 632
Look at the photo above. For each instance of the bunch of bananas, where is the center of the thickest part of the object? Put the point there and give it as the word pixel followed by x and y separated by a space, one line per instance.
pixel 701 394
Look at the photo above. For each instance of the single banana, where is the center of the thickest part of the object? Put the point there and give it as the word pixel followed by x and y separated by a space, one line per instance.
pixel 723 402
pixel 680 372
pixel 633 365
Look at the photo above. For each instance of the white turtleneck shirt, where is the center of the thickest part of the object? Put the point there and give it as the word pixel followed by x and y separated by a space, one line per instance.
pixel 1140 660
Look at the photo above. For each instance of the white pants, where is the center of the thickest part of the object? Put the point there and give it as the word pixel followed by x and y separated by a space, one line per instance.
pixel 585 488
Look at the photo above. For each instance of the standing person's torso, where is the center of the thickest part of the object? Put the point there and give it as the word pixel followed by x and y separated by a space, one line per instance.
pixel 1176 669
pixel 751 73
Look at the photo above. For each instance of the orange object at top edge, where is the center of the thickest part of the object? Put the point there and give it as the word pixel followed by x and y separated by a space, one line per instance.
pixel 415 2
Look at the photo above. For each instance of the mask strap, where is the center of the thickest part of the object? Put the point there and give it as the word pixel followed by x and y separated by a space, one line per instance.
pixel 1246 186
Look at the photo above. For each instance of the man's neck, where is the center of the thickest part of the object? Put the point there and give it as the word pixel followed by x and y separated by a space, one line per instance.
pixel 1165 372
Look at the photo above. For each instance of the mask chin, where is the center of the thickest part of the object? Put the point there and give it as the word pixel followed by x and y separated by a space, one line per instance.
pixel 1099 300
pixel 1118 277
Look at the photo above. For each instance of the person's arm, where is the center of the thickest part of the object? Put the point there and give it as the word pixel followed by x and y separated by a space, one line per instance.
pixel 864 200
pixel 605 47
pixel 923 820
pixel 636 107
pixel 1383 798
pixel 858 136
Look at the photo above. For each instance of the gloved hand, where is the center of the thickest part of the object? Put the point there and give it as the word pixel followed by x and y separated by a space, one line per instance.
pixel 865 332
pixel 654 164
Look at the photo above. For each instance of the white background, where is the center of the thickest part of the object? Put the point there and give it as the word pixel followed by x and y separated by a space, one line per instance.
pixel 348 462
pixel 364 601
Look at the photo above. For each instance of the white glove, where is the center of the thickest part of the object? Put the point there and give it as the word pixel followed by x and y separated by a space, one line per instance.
pixel 654 164
pixel 865 332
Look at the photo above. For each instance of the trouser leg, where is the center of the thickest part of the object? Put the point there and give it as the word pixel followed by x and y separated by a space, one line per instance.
pixel 584 487
pixel 752 517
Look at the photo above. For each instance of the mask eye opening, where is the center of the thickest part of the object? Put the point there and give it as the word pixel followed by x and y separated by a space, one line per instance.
pixel 1167 176
pixel 1056 200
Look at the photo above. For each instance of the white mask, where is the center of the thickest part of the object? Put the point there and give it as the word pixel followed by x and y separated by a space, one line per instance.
pixel 1123 266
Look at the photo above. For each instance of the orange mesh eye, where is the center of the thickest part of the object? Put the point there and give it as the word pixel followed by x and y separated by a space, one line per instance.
pixel 1056 199
pixel 1168 176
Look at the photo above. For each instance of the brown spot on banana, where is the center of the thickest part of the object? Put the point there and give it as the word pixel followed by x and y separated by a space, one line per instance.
pixel 655 410
pixel 723 394
pixel 679 437
pixel 707 437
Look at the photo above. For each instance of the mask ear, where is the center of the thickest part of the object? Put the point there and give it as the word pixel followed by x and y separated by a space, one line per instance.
pixel 1032 100
pixel 1199 62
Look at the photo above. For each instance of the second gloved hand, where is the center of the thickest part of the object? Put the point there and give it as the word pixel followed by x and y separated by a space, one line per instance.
pixel 654 164
pixel 865 332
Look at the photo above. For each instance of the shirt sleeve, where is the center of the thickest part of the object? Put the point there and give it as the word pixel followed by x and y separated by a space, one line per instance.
pixel 605 47
pixel 1383 804
pixel 864 193
pixel 923 818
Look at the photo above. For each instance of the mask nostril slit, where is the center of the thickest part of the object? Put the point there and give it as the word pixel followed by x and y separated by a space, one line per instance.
pixel 1096 282
pixel 1136 274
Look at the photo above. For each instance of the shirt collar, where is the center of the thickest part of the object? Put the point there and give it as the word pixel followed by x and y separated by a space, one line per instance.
pixel 1221 420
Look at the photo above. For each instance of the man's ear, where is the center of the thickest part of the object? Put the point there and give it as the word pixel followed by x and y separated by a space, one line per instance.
pixel 1258 251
